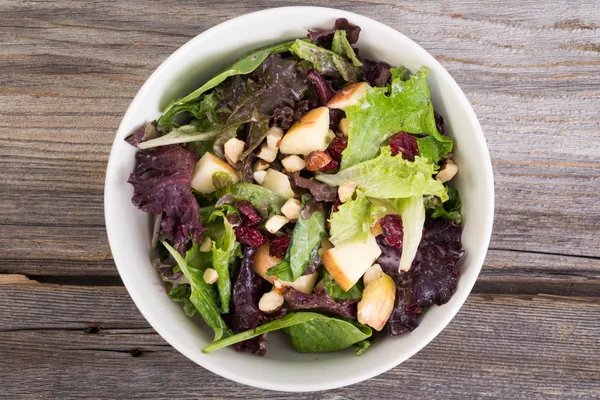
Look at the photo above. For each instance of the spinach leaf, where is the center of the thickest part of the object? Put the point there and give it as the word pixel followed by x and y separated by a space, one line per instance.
pixel 245 65
pixel 450 210
pixel 403 106
pixel 330 333
pixel 361 347
pixel 321 335
pixel 257 132
pixel 337 293
pixel 325 61
pixel 202 296
pixel 304 243
pixel 225 249
pixel 268 203
pixel 341 46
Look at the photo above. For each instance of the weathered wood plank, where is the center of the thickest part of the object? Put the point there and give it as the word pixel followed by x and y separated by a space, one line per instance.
pixel 94 334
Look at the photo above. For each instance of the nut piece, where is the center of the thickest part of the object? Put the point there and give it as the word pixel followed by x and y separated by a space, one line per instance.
pixel 377 303
pixel 206 245
pixel 275 223
pixel 373 273
pixel 331 135
pixel 210 276
pixel 317 160
pixel 376 229
pixel 266 153
pixel 344 126
pixel 293 163
pixel 274 137
pixel 261 165
pixel 259 176
pixel 270 302
pixel 449 169
pixel 291 209
pixel 346 190
pixel 234 148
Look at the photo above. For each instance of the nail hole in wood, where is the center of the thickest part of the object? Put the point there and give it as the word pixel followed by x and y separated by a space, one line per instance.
pixel 136 352
pixel 92 329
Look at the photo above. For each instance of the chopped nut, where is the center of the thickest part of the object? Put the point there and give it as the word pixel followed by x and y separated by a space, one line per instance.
pixel 261 165
pixel 346 190
pixel 210 276
pixel 206 245
pixel 270 302
pixel 344 126
pixel 259 176
pixel 234 148
pixel 377 303
pixel 274 137
pixel 291 209
pixel 275 223
pixel 376 229
pixel 449 169
pixel 279 286
pixel 266 153
pixel 317 160
pixel 373 273
pixel 293 163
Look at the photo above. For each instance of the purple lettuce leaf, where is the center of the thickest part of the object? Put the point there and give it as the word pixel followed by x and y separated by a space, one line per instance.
pixel 376 73
pixel 320 301
pixel 324 38
pixel 319 190
pixel 146 132
pixel 432 278
pixel 161 184
pixel 335 116
pixel 247 291
pixel 321 87
pixel 284 117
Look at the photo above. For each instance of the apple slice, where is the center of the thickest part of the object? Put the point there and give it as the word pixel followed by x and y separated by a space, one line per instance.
pixel 204 170
pixel 278 182
pixel 263 261
pixel 348 262
pixel 308 134
pixel 350 95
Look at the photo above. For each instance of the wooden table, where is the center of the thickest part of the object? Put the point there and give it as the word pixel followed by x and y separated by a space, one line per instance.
pixel 530 329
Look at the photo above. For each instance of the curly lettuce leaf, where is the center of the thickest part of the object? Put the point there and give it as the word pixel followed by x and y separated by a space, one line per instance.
pixel 450 210
pixel 202 295
pixel 352 221
pixel 341 46
pixel 403 106
pixel 325 61
pixel 244 65
pixel 390 177
pixel 412 212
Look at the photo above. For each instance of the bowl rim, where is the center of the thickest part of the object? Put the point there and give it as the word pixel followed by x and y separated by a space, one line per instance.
pixel 374 370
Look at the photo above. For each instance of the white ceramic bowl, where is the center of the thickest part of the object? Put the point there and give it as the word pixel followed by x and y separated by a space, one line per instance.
pixel 129 229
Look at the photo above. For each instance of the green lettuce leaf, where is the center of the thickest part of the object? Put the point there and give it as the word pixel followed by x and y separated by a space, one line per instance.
pixel 361 347
pixel 267 202
pixel 325 61
pixel 352 221
pixel 390 177
pixel 412 212
pixel 450 210
pixel 321 334
pixel 244 65
pixel 183 134
pixel 337 293
pixel 225 250
pixel 398 73
pixel 404 106
pixel 181 294
pixel 341 46
pixel 202 111
pixel 202 296
pixel 304 245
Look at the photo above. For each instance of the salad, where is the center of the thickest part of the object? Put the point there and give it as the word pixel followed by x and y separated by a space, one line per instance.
pixel 303 189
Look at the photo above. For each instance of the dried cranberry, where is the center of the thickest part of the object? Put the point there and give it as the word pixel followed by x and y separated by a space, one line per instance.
pixel 336 205
pixel 336 147
pixel 249 236
pixel 335 116
pixel 391 225
pixel 331 166
pixel 278 247
pixel 406 144
pixel 249 213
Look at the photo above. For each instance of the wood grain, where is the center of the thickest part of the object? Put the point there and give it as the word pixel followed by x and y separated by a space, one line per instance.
pixel 535 347
pixel 69 71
